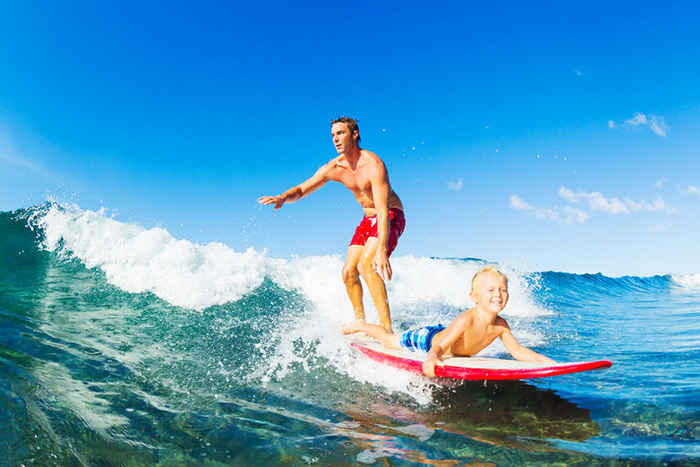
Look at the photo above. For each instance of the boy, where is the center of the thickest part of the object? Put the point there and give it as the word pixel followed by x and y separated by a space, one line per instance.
pixel 469 333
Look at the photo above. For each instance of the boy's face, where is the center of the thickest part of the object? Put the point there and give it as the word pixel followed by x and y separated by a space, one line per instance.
pixel 490 292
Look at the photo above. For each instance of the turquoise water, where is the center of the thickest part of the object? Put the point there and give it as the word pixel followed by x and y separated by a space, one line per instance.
pixel 124 346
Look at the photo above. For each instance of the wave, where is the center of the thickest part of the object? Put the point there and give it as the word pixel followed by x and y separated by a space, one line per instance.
pixel 602 286
pixel 280 314
pixel 185 274
pixel 110 328
pixel 141 260
pixel 687 280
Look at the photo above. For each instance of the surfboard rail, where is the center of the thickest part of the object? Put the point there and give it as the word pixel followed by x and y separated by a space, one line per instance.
pixel 471 368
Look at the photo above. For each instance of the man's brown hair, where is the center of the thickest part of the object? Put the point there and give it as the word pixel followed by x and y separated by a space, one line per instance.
pixel 351 123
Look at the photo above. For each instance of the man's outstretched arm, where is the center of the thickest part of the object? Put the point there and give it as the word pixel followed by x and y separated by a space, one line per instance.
pixel 296 193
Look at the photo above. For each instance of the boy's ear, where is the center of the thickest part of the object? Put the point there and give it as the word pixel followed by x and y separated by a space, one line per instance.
pixel 472 295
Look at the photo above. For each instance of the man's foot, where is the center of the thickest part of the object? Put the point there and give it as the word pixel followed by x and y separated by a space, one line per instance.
pixel 352 326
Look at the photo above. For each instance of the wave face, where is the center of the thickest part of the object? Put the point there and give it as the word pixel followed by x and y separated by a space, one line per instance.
pixel 121 344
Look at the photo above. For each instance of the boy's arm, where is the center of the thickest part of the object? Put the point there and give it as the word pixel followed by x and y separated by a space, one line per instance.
pixel 431 360
pixel 296 193
pixel 453 332
pixel 518 351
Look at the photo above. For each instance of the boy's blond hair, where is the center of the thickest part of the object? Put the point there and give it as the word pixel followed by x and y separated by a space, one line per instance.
pixel 490 268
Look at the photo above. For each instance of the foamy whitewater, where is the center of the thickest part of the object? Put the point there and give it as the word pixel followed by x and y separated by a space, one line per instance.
pixel 124 345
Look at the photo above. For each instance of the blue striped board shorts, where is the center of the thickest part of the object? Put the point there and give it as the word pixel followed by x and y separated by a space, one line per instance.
pixel 419 340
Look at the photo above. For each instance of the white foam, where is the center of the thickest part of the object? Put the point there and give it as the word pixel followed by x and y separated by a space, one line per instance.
pixel 195 276
pixel 687 280
pixel 150 260
pixel 447 282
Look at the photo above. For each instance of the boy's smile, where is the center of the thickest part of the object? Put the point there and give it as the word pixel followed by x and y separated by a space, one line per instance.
pixel 490 292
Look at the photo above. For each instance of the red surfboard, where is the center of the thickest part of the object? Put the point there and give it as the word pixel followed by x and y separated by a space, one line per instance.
pixel 473 368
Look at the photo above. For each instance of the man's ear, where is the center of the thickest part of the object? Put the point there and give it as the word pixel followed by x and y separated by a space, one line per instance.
pixel 355 134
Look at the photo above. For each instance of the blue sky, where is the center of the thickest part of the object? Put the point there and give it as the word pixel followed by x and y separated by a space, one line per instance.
pixel 549 135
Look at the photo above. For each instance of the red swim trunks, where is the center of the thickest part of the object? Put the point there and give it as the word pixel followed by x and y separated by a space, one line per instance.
pixel 368 228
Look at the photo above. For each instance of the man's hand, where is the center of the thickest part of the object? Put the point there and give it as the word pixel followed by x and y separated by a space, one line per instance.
pixel 278 201
pixel 380 263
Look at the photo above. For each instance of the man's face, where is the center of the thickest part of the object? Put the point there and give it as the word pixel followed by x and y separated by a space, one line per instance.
pixel 342 138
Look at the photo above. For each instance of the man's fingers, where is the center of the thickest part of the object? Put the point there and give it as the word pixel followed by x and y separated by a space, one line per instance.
pixel 383 268
pixel 380 272
pixel 387 273
pixel 267 200
pixel 386 266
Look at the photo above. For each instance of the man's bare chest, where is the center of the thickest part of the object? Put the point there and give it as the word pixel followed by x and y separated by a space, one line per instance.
pixel 357 183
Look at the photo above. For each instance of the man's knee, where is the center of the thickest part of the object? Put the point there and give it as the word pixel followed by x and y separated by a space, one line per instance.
pixel 365 268
pixel 350 274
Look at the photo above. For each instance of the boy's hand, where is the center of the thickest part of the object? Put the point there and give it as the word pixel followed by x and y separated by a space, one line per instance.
pixel 429 367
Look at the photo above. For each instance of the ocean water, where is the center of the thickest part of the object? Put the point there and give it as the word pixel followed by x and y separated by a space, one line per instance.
pixel 121 345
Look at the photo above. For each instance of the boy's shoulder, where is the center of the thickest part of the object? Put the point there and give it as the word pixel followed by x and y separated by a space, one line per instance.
pixel 464 318
pixel 467 318
pixel 501 322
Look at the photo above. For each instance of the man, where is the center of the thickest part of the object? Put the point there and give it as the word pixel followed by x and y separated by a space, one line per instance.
pixel 365 175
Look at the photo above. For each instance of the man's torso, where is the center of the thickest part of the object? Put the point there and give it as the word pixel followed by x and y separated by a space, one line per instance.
pixel 358 177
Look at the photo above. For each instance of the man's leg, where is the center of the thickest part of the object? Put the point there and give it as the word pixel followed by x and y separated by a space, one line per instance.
pixel 374 282
pixel 351 278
